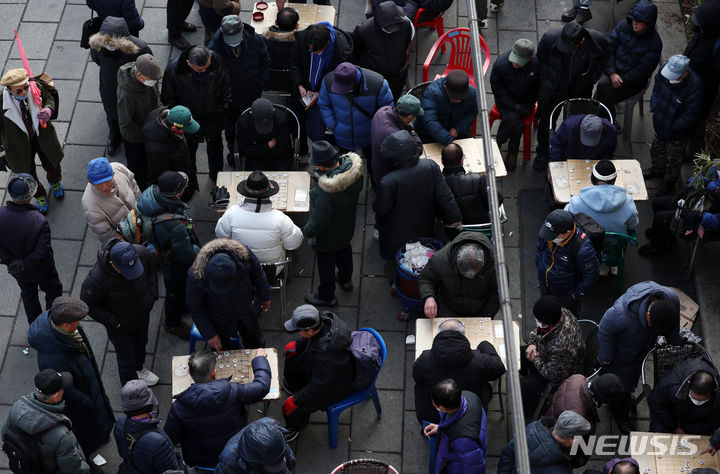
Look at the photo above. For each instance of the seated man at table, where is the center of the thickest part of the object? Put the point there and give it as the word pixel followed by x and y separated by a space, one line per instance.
pixel 280 38
pixel 450 109
pixel 462 274
pixel 451 356
pixel 469 189
pixel 622 466
pixel 264 139
pixel 584 137
pixel 208 413
pixel 686 400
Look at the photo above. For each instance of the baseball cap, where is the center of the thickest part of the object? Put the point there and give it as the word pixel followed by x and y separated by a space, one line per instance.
pixel 591 130
pixel 170 183
pixel 304 317
pixel 22 187
pixel 147 65
pixel 181 117
pixel 522 52
pixel 232 29
pixel 125 258
pixel 607 389
pixel 457 84
pixel 408 104
pixel 68 309
pixel 557 222
pixel 344 78
pixel 262 115
pixel 676 66
pixel 50 381
pixel 570 37
pixel 220 272
pixel 99 170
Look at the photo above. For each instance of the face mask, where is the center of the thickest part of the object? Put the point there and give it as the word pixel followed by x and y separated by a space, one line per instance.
pixel 233 45
pixel 539 324
pixel 697 402
pixel 557 241
pixel 150 82
pixel 17 97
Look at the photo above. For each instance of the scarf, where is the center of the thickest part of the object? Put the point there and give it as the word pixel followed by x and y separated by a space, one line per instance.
pixel 74 336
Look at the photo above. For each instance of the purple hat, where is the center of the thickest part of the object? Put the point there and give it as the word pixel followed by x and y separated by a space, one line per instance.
pixel 344 78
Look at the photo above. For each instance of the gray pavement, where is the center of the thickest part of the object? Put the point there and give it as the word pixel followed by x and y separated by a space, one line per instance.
pixel 50 31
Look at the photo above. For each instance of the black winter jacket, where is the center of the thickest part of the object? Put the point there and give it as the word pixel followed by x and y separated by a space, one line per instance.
pixel 208 103
pixel 254 146
pixel 384 53
pixel 676 107
pixel 29 241
pixel 514 88
pixel 470 191
pixel 153 453
pixel 279 45
pixel 703 49
pixel 166 151
pixel 120 304
pixel 452 357
pixel 123 8
pixel 300 57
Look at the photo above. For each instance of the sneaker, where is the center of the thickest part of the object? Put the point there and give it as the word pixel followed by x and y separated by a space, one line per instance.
pixel 483 24
pixel 148 377
pixel 188 27
pixel 569 14
pixel 604 270
pixel 290 435
pixel 58 190
pixel 376 234
pixel 496 5
pixel 42 204
pixel 182 330
pixel 583 15
pixel 315 300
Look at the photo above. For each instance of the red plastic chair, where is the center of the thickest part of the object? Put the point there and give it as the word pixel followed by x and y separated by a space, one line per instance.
pixel 437 23
pixel 528 120
pixel 460 54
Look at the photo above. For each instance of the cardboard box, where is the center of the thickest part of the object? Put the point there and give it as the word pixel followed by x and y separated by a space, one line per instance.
pixel 688 309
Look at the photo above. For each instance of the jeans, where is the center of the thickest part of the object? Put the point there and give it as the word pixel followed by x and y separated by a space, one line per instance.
pixel 177 12
pixel 49 283
pixel 327 262
pixel 130 350
pixel 137 163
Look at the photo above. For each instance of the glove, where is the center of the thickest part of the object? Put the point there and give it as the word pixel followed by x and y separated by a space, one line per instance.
pixel 523 111
pixel 290 350
pixel 312 241
pixel 44 114
pixel 220 197
pixel 16 267
pixel 289 406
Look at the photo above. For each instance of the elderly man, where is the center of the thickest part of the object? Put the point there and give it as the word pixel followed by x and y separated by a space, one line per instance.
pixel 462 276
pixel 586 137
pixel 280 38
pixel 549 444
pixel 26 131
pixel 40 415
pixel 211 14
pixel 264 138
pixel 686 399
pixel 319 368
pixel 629 329
pixel 27 249
pixel 259 447
pixel 267 232
pixel 584 396
pixel 62 345
pixel 110 194
pixel 452 357
pixel 206 415
pixel 450 109
pixel 226 289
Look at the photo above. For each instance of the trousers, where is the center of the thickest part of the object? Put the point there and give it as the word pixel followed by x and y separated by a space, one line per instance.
pixel 175 277
pixel 137 163
pixel 609 96
pixel 511 130
pixel 53 174
pixel 327 262
pixel 130 350
pixel 667 157
pixel 214 153
pixel 177 12
pixel 48 282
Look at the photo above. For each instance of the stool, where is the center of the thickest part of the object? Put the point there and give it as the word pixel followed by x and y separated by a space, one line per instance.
pixel 529 120
pixel 628 105
pixel 195 336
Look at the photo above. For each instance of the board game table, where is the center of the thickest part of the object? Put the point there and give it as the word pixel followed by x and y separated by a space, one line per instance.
pixel 665 453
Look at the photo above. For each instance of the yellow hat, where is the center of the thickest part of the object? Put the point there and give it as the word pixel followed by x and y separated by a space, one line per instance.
pixel 14 78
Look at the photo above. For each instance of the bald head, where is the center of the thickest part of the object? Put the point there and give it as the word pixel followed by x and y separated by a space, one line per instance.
pixel 452 325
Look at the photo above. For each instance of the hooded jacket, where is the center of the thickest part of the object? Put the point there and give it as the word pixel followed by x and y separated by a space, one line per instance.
pixel 29 242
pixel 546 455
pixel 408 198
pixel 112 47
pixel 634 57
pixel 468 297
pixel 119 8
pixel 333 205
pixel 325 360
pixel 462 438
pixel 206 415
pixel 441 115
pixel 135 102
pixel 703 50
pixel 218 314
pixel 248 73
pixel 564 271
pixel 574 394
pixel 560 351
pixel 514 88
pixel 610 205
pixel 153 453
pixel 249 458
pixel 670 404
pixel 625 336
pixel 166 150
pixel 279 45
pixel 565 143
pixel 120 304
pixel 384 53
pixel 307 69
pixel 451 357
pixel 384 123
pixel 676 107
pixel 86 403
pixel 104 211
pixel 59 450
pixel 350 125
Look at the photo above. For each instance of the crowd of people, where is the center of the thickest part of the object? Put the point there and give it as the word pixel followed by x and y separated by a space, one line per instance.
pixel 346 90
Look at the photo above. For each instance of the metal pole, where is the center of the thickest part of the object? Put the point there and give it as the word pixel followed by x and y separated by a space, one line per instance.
pixel 522 462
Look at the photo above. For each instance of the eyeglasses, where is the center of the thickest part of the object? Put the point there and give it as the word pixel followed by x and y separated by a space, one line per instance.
pixel 22 88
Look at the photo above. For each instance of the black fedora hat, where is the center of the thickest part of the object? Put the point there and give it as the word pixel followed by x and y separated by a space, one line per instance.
pixel 257 185
pixel 323 153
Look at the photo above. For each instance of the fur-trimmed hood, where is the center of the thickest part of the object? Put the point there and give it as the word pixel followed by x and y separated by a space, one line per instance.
pixel 123 45
pixel 340 178
pixel 232 247
pixel 273 34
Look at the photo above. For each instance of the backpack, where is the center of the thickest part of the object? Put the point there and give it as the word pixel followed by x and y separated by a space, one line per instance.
pixel 49 85
pixel 589 229
pixel 138 229
pixel 131 439
pixel 365 350
pixel 23 451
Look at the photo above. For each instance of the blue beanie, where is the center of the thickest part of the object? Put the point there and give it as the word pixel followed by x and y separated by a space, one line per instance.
pixel 99 171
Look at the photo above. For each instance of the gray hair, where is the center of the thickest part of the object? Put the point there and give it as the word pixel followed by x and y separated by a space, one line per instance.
pixel 201 364
pixel 452 325
pixel 199 55
pixel 470 259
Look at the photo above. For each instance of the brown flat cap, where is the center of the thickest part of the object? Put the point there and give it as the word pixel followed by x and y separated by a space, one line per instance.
pixel 68 309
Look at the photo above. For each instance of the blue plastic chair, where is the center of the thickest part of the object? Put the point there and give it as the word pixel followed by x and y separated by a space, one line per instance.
pixel 358 396
pixel 195 336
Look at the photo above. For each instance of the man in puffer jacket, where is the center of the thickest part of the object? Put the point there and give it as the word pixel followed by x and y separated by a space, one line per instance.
pixel 584 137
pixel 112 47
pixel 676 104
pixel 206 415
pixel 450 109
pixel 462 431
pixel 119 8
pixel 226 289
pixel 40 415
pixel 259 448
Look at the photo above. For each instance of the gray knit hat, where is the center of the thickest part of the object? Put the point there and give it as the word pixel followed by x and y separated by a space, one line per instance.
pixel 569 424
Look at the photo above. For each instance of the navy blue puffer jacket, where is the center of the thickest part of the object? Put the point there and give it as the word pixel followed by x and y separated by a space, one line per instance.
pixel 441 115
pixel 676 107
pixel 562 274
pixel 546 455
pixel 634 57
pixel 153 453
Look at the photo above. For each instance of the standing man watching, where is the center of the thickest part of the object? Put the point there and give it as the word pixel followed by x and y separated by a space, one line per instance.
pixel 177 11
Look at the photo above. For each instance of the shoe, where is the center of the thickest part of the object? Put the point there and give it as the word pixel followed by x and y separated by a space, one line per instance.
pixel 583 15
pixel 182 331
pixel 188 27
pixel 651 250
pixel 179 42
pixel 347 286
pixel 511 161
pixel 483 24
pixel 58 190
pixel 376 234
pixel 290 435
pixel 111 147
pixel 569 14
pixel 650 173
pixel 315 300
pixel 42 204
pixel 148 377
pixel 496 5
pixel 283 386
pixel 604 271
pixel 625 425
